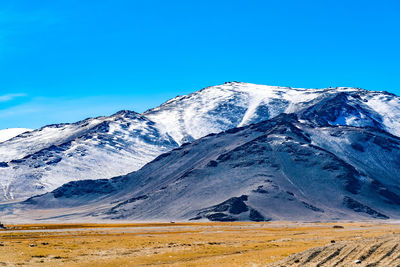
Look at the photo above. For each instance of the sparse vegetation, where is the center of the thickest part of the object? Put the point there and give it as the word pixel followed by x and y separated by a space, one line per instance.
pixel 177 244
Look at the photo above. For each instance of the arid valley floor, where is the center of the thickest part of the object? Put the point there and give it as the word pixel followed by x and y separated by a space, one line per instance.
pixel 201 244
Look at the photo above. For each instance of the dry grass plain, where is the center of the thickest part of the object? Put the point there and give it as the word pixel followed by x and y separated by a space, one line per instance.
pixel 175 244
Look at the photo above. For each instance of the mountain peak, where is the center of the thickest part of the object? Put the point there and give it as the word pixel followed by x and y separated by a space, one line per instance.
pixel 125 113
pixel 108 146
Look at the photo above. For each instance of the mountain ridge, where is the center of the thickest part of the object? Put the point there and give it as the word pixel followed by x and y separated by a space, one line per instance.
pixel 9 133
pixel 129 139
pixel 281 173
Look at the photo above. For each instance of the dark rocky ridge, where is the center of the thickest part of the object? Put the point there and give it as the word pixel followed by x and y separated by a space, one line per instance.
pixel 274 169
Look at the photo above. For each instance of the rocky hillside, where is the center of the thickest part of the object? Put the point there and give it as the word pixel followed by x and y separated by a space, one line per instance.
pixel 39 161
pixel 285 168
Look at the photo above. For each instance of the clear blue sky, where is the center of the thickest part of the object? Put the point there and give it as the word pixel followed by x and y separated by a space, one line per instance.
pixel 65 60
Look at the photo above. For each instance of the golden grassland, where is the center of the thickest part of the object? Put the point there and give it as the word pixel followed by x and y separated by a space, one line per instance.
pixel 172 244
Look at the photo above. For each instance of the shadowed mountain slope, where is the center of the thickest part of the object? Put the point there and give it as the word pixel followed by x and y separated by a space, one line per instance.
pixel 281 169
pixel 39 161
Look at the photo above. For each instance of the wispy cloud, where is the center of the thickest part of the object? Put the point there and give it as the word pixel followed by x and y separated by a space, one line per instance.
pixel 9 97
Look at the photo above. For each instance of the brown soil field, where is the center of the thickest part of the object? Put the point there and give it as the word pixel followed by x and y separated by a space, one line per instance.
pixel 200 244
pixel 369 252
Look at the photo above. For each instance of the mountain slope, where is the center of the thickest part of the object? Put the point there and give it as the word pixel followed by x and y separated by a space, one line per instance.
pixel 7 134
pixel 237 104
pixel 278 169
pixel 89 149
pixel 104 147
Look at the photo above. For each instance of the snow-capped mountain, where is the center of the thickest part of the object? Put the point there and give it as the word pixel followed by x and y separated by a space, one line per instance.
pixel 35 162
pixel 9 133
pixel 104 147
pixel 238 104
pixel 285 168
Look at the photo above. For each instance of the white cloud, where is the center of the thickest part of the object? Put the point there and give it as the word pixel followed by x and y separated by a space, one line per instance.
pixel 9 97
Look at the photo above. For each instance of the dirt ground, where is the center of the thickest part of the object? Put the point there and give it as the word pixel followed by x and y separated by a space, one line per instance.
pixel 379 251
pixel 201 244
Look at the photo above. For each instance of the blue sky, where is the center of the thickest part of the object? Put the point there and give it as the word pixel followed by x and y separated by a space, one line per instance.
pixel 62 61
